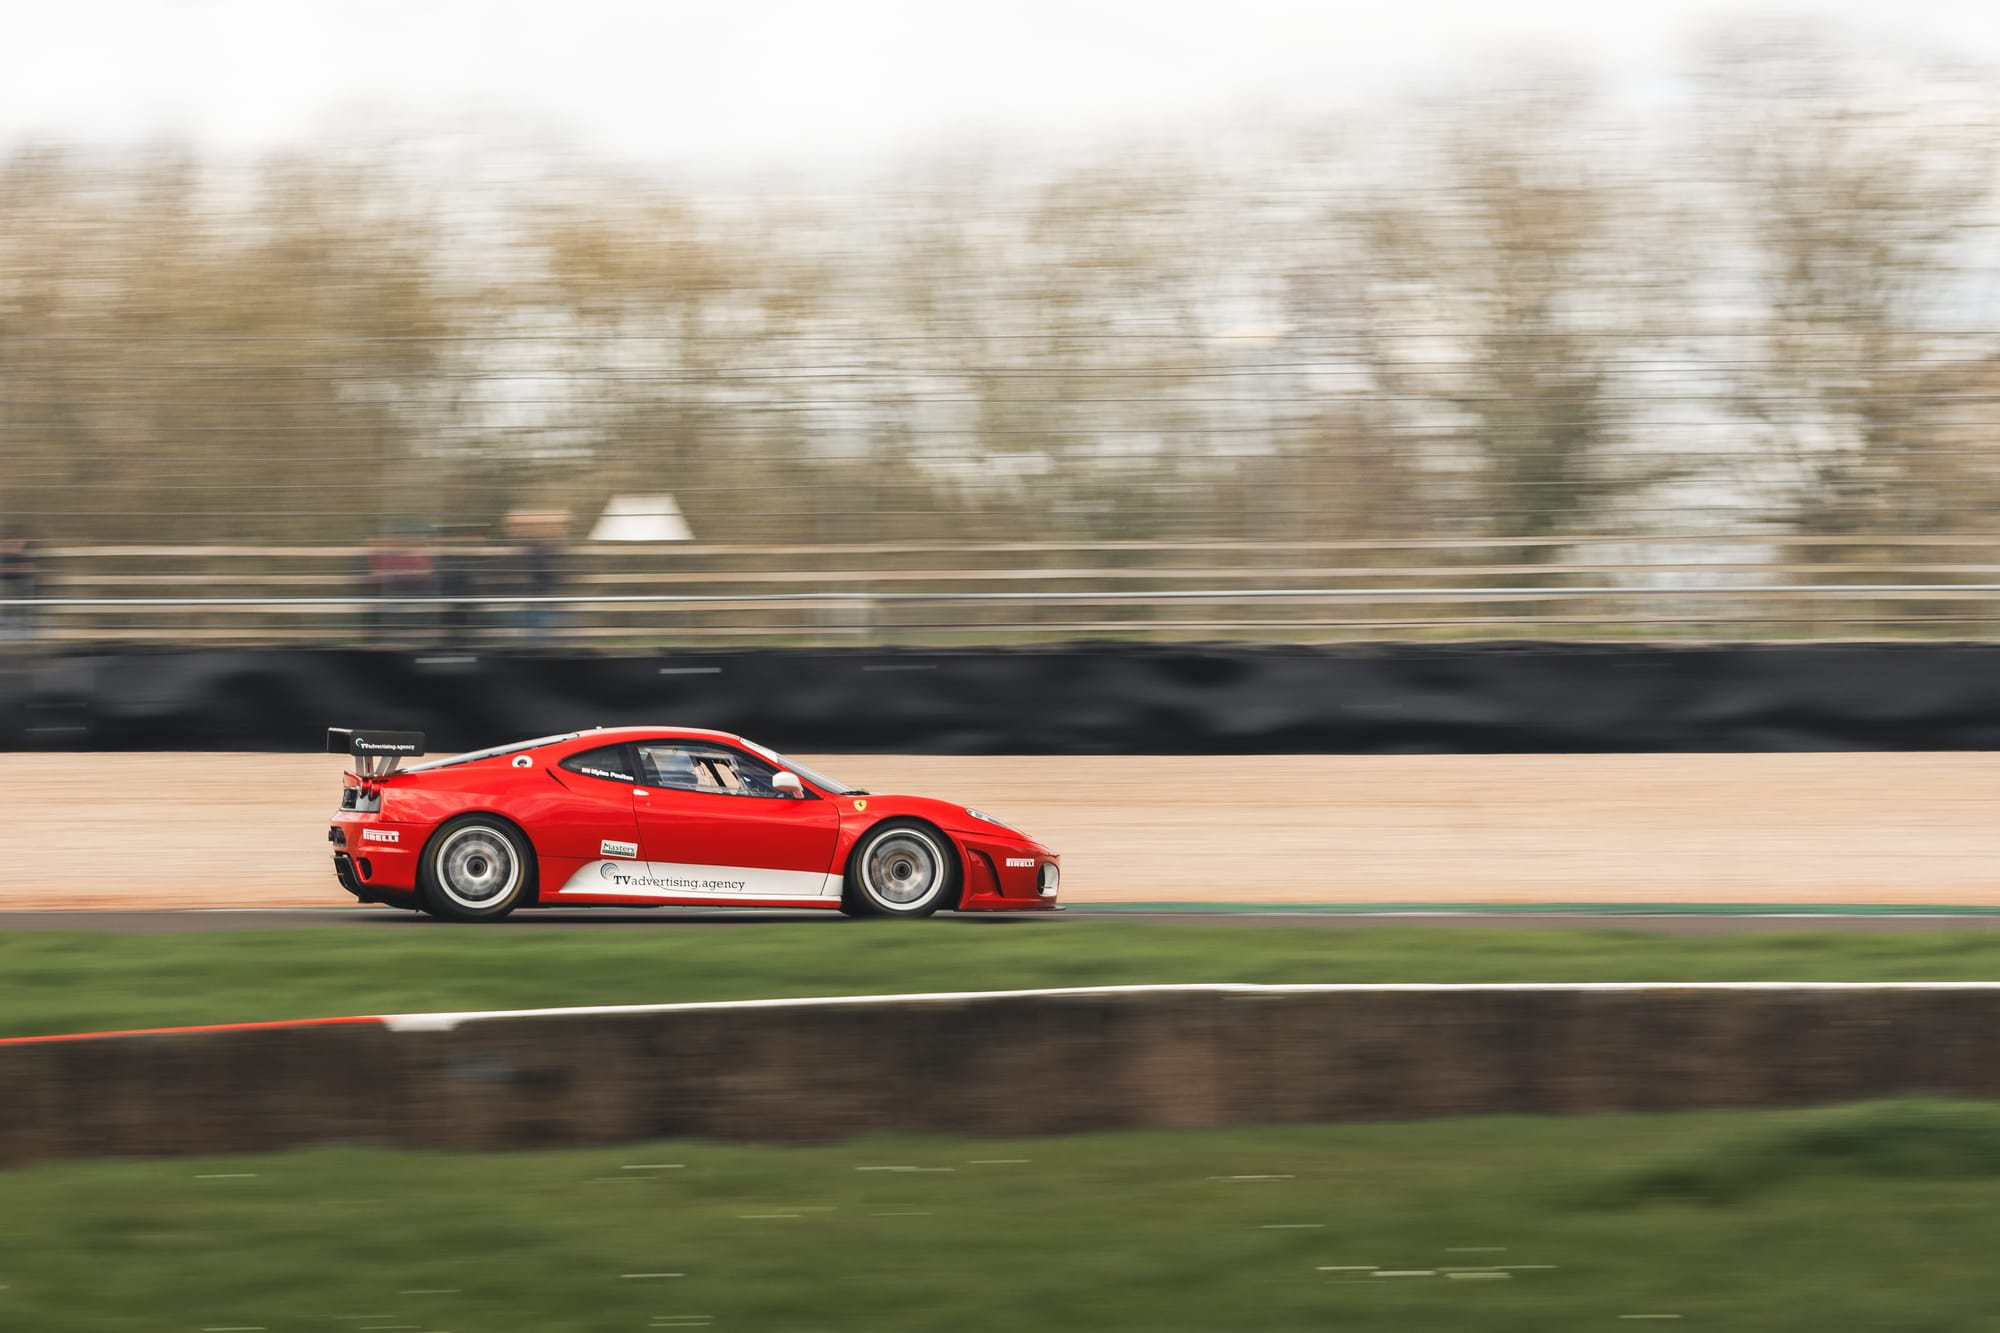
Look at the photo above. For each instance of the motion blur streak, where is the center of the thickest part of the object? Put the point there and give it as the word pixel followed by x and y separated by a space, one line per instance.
pixel 1522 311
pixel 456 421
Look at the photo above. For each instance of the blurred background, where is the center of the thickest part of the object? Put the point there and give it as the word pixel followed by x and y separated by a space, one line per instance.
pixel 577 339
pixel 779 323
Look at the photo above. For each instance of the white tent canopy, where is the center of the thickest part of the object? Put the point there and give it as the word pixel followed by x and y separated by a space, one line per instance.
pixel 642 518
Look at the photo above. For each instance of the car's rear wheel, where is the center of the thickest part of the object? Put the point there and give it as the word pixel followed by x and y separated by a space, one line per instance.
pixel 901 867
pixel 476 868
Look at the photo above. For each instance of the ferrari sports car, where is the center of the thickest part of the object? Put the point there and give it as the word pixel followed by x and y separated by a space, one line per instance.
pixel 658 816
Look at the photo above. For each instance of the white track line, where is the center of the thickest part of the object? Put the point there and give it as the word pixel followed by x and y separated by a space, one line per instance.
pixel 446 1022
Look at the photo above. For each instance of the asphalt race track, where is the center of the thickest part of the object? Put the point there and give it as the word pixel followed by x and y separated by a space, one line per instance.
pixel 1693 920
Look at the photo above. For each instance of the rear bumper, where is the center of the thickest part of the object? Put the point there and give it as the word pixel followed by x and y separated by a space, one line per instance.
pixel 374 860
pixel 349 878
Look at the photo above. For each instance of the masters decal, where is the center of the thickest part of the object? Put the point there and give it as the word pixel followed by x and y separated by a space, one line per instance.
pixel 628 850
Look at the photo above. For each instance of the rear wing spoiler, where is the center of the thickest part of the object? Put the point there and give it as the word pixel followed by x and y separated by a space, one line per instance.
pixel 376 753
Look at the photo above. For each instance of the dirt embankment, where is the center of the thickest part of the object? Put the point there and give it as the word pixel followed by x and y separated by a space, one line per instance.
pixel 248 830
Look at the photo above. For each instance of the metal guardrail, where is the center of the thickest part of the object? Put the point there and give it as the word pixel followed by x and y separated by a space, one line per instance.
pixel 993 593
pixel 944 617
pixel 1047 596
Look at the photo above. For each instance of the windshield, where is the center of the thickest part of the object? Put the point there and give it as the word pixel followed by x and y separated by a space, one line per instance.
pixel 819 780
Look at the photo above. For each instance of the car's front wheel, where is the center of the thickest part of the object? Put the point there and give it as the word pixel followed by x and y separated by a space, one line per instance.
pixel 476 868
pixel 900 868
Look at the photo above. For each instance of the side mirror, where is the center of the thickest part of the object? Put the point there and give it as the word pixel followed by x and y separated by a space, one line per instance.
pixel 788 784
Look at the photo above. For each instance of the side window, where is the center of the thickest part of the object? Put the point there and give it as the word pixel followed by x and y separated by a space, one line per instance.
pixel 609 762
pixel 664 764
pixel 753 775
pixel 692 766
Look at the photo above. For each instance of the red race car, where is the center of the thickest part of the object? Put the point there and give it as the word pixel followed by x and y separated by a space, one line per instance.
pixel 658 816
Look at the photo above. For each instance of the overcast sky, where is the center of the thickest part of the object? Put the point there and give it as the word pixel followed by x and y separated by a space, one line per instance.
pixel 773 83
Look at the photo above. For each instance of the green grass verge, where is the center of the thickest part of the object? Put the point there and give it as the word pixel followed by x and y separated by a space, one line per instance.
pixel 73 982
pixel 1875 1216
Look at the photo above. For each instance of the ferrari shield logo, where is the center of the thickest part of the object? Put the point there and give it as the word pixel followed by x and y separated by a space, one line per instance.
pixel 859 806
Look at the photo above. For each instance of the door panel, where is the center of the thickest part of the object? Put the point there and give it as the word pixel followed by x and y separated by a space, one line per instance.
pixel 709 825
pixel 589 815
pixel 748 833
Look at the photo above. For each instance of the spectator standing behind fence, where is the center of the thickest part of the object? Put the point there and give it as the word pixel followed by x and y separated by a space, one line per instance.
pixel 399 567
pixel 459 580
pixel 18 576
pixel 539 537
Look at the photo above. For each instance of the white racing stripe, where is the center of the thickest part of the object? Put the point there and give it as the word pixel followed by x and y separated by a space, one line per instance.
pixel 671 879
pixel 447 1022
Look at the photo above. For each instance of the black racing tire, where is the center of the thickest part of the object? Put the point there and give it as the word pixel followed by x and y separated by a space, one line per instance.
pixel 476 868
pixel 901 868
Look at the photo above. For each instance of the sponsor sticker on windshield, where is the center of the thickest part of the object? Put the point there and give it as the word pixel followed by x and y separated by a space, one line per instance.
pixel 628 850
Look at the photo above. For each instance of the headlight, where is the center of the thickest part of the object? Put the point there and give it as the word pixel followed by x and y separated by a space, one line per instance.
pixel 1049 879
pixel 989 819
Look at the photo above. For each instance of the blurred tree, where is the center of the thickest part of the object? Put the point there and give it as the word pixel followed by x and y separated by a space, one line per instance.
pixel 1489 290
pixel 1056 385
pixel 1497 316
pixel 188 357
pixel 1859 202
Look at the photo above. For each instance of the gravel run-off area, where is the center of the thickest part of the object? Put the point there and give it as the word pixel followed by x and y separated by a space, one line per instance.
pixel 246 830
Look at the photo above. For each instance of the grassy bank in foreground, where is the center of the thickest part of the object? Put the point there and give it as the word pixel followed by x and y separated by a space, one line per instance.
pixel 74 982
pixel 1874 1216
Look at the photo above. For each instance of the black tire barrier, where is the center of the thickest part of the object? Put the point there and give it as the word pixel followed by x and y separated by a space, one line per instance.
pixel 1076 699
pixel 996 1065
